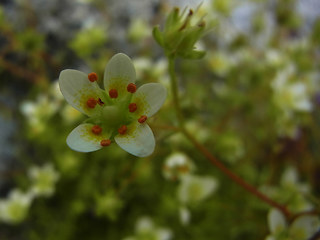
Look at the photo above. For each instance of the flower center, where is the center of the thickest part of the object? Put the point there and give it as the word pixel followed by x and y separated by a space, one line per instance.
pixel 112 116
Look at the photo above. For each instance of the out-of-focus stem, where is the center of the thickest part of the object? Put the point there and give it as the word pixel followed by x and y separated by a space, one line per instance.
pixel 234 177
pixel 174 90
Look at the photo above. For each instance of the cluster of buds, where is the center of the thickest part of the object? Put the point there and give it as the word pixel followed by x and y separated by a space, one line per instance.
pixel 180 33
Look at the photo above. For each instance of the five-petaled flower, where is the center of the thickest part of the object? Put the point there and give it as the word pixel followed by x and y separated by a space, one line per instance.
pixel 117 114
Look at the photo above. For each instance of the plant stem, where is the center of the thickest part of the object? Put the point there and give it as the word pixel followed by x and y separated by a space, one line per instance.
pixel 174 90
pixel 213 160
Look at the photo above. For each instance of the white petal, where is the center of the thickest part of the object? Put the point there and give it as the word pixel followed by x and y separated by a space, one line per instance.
pixel 82 139
pixel 304 227
pixel 276 221
pixel 138 140
pixel 77 89
pixel 118 73
pixel 194 189
pixel 149 98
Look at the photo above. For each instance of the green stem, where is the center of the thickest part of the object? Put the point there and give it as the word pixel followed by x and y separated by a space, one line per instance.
pixel 213 160
pixel 174 90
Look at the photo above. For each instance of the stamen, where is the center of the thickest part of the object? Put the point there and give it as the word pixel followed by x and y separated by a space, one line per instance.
pixel 92 77
pixel 96 129
pixel 132 107
pixel 100 102
pixel 91 103
pixel 131 88
pixel 113 93
pixel 122 130
pixel 105 142
pixel 142 119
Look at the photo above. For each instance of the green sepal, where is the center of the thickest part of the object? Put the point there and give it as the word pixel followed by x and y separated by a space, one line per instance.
pixel 192 54
pixel 157 35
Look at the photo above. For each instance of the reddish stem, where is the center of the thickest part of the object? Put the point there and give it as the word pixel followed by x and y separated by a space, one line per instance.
pixel 235 177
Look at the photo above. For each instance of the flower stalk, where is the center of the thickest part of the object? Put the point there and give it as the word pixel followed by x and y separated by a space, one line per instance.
pixel 213 160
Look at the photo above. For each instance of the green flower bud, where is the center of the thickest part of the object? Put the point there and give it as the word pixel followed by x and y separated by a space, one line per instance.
pixel 180 34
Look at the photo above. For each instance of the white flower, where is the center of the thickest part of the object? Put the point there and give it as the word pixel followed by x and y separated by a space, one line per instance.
pixel 185 215
pixel 177 165
pixel 43 180
pixel 194 189
pixel 138 30
pixel 119 113
pixel 302 228
pixel 14 209
pixel 146 229
pixel 288 95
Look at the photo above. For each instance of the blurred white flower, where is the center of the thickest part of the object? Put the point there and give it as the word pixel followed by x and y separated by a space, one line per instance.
pixel 15 208
pixel 138 30
pixel 177 165
pixel 302 228
pixel 43 180
pixel 146 229
pixel 70 114
pixel 39 111
pixel 194 189
pixel 290 190
pixel 185 215
pixel 290 96
pixel 219 62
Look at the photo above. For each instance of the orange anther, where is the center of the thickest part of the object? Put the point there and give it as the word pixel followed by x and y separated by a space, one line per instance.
pixel 122 130
pixel 132 88
pixel 105 142
pixel 91 103
pixel 113 93
pixel 92 77
pixel 100 102
pixel 96 129
pixel 132 107
pixel 142 119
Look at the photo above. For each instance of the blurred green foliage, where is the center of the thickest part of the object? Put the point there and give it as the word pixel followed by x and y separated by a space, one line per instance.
pixel 253 101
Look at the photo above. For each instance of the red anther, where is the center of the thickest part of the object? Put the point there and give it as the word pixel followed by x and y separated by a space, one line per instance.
pixel 113 93
pixel 92 77
pixel 131 88
pixel 142 119
pixel 91 103
pixel 132 107
pixel 122 130
pixel 100 102
pixel 96 129
pixel 105 142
